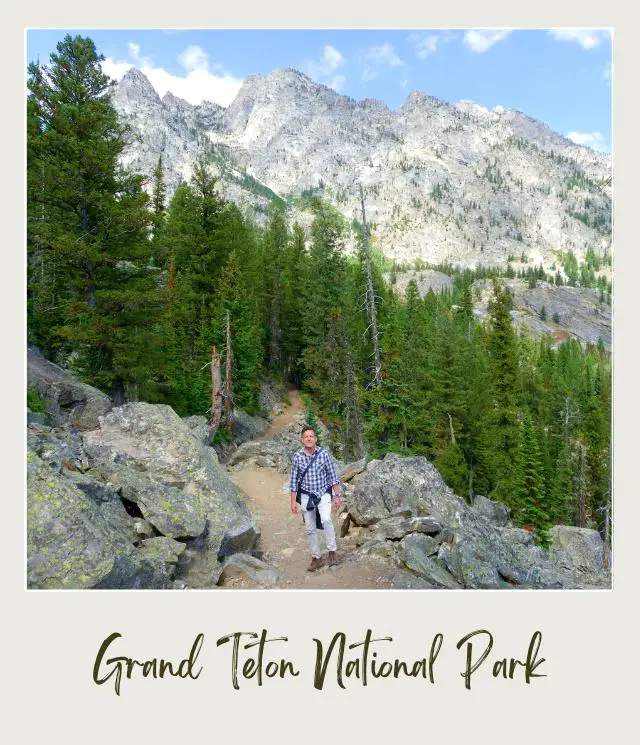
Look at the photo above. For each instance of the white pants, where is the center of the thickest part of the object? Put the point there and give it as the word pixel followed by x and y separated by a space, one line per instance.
pixel 324 508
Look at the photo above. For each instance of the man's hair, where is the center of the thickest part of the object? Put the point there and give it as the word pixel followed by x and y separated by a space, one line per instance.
pixel 306 429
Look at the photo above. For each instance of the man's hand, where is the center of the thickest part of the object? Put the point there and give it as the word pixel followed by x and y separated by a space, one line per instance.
pixel 336 502
pixel 294 504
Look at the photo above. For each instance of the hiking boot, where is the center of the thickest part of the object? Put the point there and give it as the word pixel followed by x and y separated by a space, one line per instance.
pixel 315 565
pixel 332 559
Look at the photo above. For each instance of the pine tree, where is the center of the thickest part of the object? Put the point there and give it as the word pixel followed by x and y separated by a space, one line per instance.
pixel 503 359
pixel 276 240
pixel 529 503
pixel 88 227
pixel 158 207
pixel 293 272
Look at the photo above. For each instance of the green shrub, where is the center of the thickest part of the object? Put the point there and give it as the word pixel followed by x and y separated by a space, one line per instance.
pixel 34 402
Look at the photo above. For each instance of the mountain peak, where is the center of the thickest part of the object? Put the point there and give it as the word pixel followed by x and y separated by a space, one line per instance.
pixel 135 80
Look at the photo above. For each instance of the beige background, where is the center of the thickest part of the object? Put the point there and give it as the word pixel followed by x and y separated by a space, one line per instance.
pixel 50 639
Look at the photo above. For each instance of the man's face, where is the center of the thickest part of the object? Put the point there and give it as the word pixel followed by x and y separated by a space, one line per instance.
pixel 309 439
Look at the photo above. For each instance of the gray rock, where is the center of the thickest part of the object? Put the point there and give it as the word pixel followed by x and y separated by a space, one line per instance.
pixel 199 425
pixel 416 550
pixel 403 580
pixel 69 402
pixel 401 484
pixel 470 566
pixel 418 542
pixel 351 470
pixel 191 489
pixel 517 536
pixel 239 536
pixel 37 417
pixel 272 394
pixel 245 427
pixel 162 552
pixel 144 529
pixel 473 549
pixel 74 543
pixel 495 512
pixel 397 526
pixel 60 449
pixel 276 452
pixel 245 565
pixel 172 511
pixel 583 547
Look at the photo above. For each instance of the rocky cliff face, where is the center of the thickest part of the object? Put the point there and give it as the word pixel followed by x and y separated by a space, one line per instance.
pixel 443 182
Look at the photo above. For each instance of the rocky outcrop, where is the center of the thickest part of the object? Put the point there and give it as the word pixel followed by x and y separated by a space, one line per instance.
pixel 416 520
pixel 69 402
pixel 193 492
pixel 138 502
pixel 569 311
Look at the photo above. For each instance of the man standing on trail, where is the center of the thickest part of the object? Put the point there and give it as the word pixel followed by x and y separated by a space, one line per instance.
pixel 313 478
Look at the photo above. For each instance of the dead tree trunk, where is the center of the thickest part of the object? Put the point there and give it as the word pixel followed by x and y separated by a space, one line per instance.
pixel 353 419
pixel 216 393
pixel 371 301
pixel 453 437
pixel 228 385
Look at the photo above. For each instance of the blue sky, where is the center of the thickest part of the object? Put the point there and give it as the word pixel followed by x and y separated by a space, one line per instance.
pixel 560 76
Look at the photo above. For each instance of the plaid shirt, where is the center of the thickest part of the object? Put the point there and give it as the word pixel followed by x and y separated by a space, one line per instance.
pixel 319 478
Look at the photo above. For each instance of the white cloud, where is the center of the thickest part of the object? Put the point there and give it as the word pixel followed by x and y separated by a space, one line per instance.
pixel 424 46
pixel 323 70
pixel 200 82
pixel 403 83
pixel 594 140
pixel 134 50
pixel 384 54
pixel 588 38
pixel 369 74
pixel 479 40
pixel 115 70
pixel 332 57
pixel 194 58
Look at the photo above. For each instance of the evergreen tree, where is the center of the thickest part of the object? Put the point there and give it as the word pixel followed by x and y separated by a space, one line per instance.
pixel 276 240
pixel 293 272
pixel 529 498
pixel 88 227
pixel 158 207
pixel 502 432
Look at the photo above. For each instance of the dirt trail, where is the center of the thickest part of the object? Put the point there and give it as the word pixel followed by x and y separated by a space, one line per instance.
pixel 283 540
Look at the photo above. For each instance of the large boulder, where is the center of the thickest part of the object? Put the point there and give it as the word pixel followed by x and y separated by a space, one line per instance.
pixel 396 484
pixel 247 567
pixel 577 548
pixel 154 459
pixel 74 542
pixel 245 427
pixel 448 543
pixel 69 402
